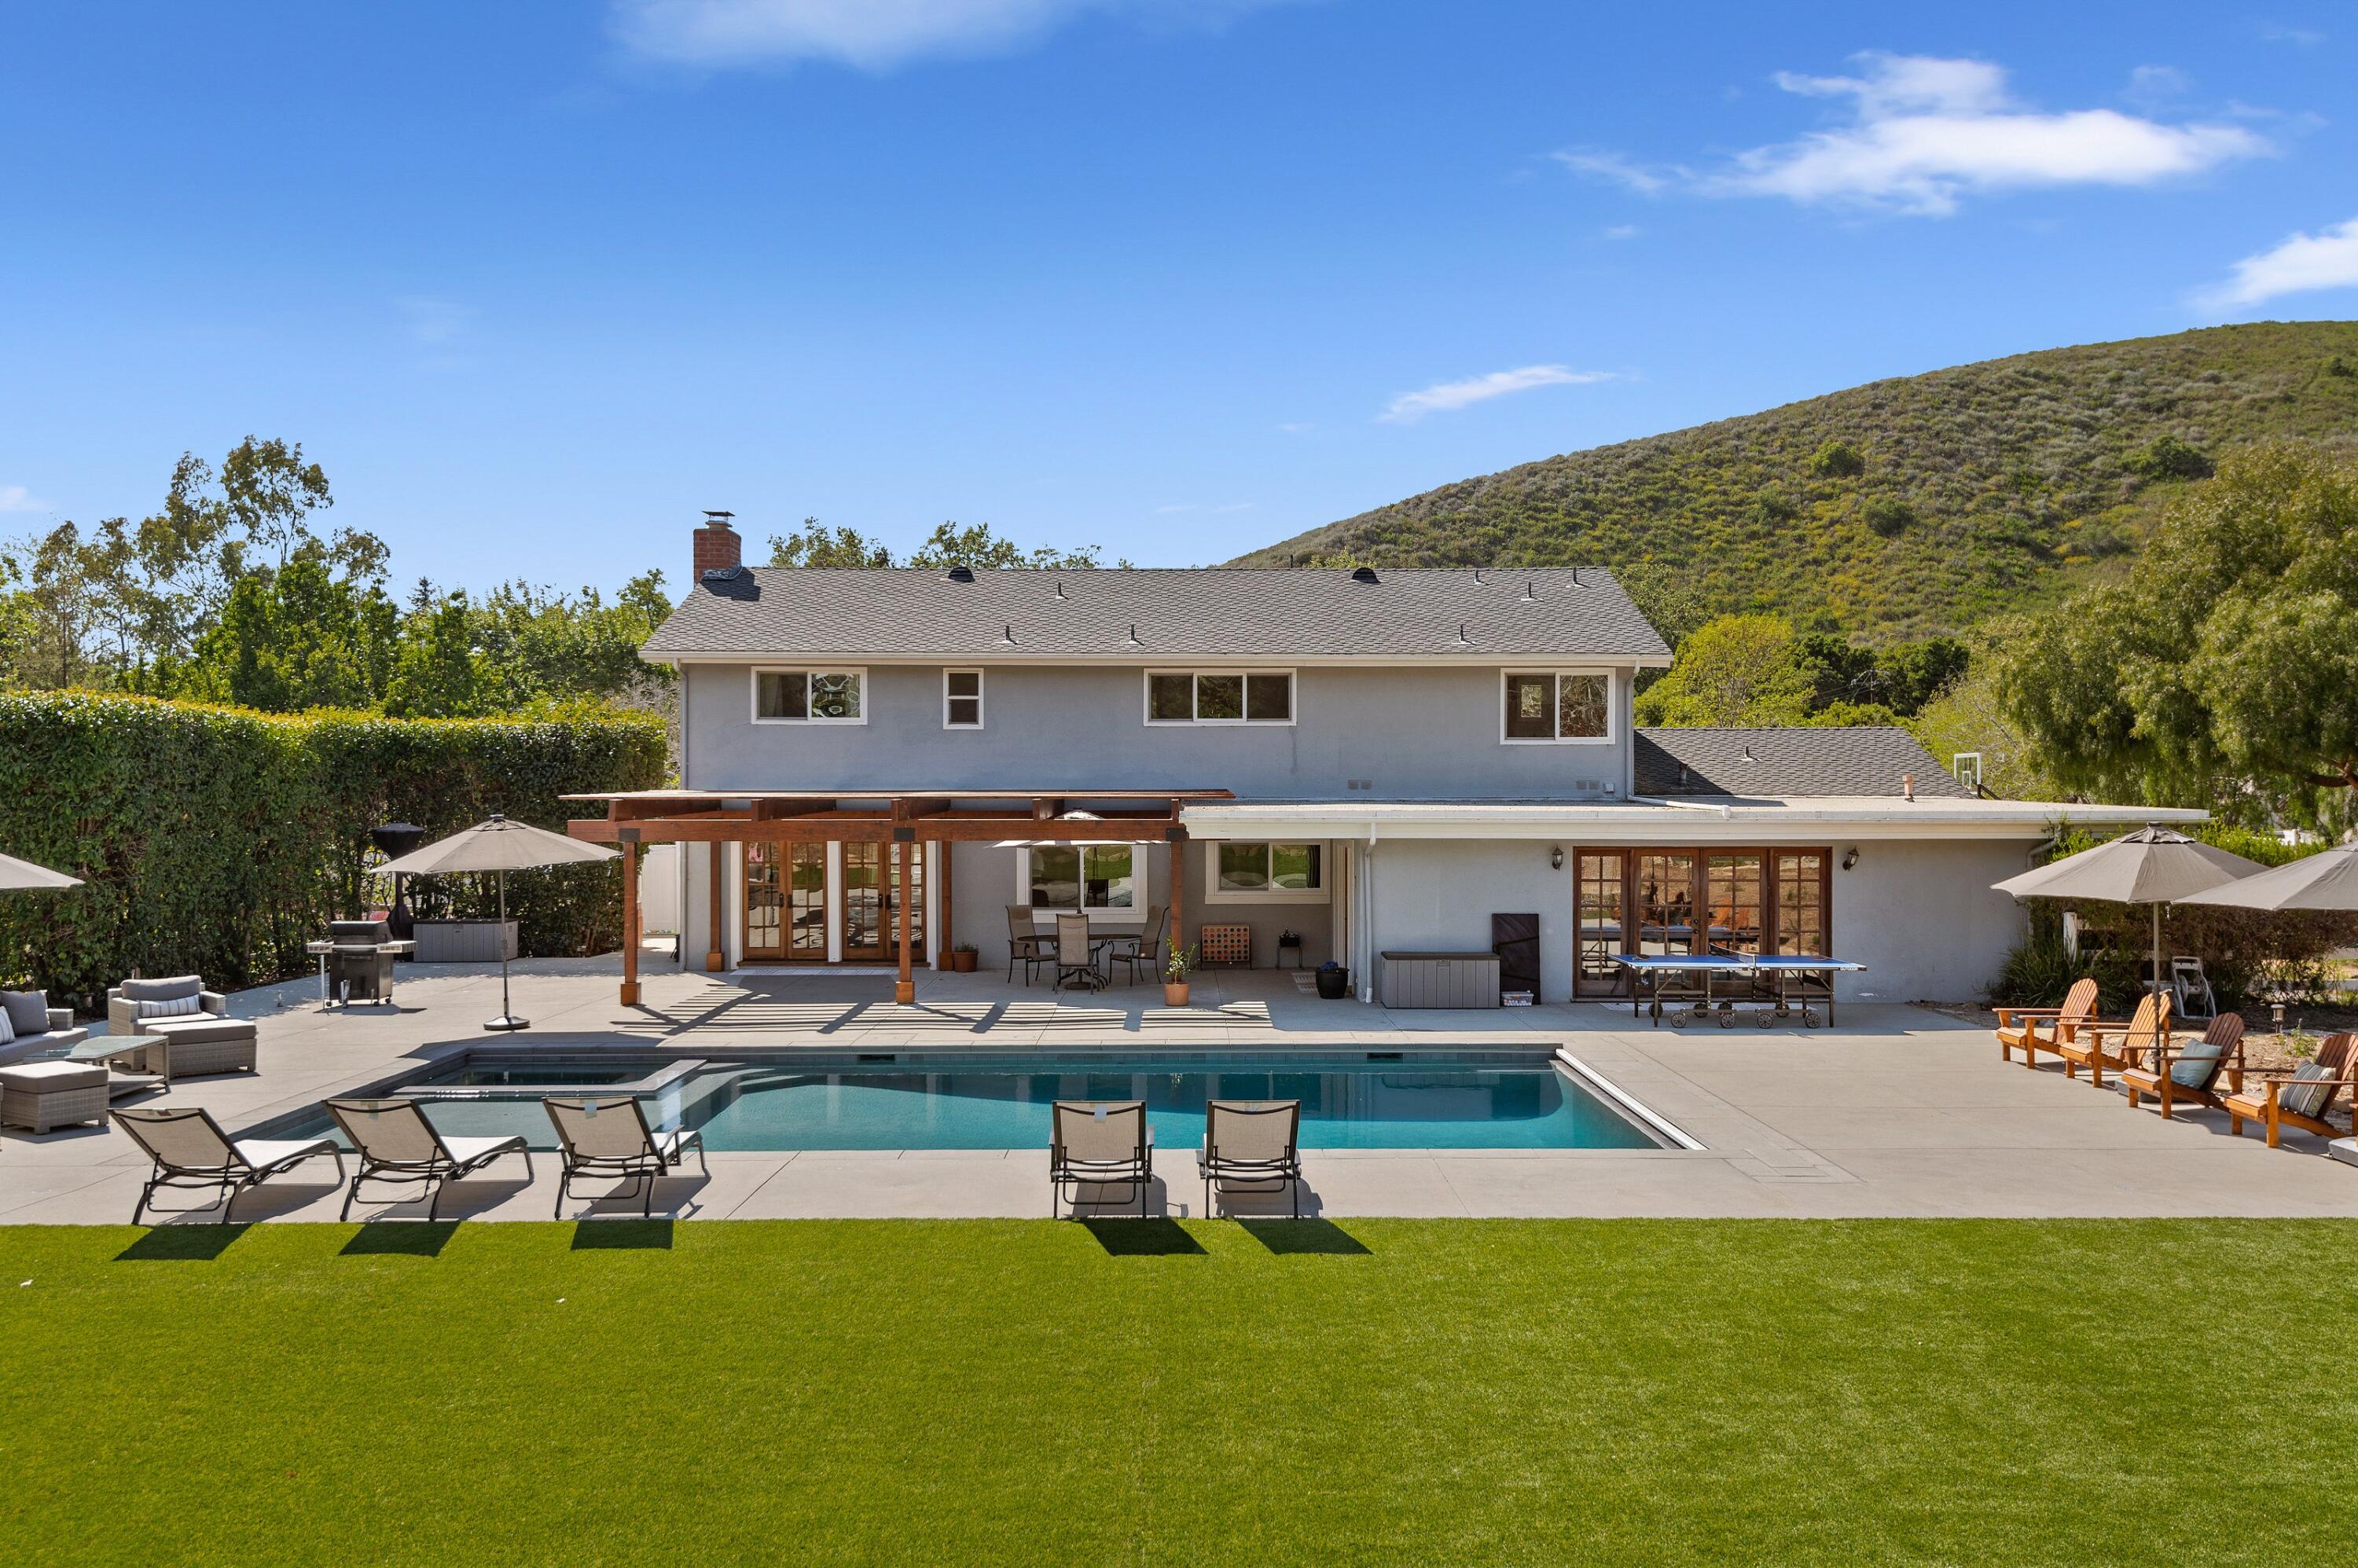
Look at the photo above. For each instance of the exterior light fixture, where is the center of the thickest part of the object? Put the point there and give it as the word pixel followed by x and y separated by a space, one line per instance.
pixel 1850 858
pixel 1556 858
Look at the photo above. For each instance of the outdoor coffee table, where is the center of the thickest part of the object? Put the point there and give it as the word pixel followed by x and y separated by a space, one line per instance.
pixel 111 1048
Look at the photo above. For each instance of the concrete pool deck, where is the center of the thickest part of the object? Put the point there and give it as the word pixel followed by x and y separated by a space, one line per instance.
pixel 1901 1112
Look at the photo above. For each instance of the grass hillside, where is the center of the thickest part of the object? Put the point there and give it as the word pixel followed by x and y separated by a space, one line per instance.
pixel 1973 489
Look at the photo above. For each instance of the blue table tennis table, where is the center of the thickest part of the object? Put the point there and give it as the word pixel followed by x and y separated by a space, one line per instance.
pixel 1790 976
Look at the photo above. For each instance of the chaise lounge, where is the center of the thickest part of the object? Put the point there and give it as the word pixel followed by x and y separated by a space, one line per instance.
pixel 1251 1146
pixel 607 1137
pixel 397 1144
pixel 191 1150
pixel 1108 1143
pixel 198 1034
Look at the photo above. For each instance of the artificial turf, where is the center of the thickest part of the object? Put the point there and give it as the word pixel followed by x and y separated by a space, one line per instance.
pixel 1128 1391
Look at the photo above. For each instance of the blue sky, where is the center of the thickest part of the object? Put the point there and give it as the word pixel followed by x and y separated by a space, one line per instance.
pixel 1178 277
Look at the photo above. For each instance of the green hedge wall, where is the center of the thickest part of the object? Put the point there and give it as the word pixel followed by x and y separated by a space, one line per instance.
pixel 219 840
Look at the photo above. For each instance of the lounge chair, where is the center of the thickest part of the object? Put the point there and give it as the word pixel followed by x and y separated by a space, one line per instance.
pixel 2096 1046
pixel 2301 1098
pixel 397 1144
pixel 2192 1074
pixel 1251 1146
pixel 2018 1027
pixel 607 1136
pixel 1076 959
pixel 191 1151
pixel 198 1034
pixel 1139 950
pixel 1101 1143
pixel 1024 943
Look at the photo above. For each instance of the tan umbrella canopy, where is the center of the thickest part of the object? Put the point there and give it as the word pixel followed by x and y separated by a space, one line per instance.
pixel 2151 866
pixel 2324 881
pixel 23 876
pixel 499 845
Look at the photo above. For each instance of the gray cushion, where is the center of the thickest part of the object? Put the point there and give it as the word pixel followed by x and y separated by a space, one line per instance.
pixel 40 1077
pixel 2311 1086
pixel 2198 1066
pixel 203 1027
pixel 171 990
pixel 28 1011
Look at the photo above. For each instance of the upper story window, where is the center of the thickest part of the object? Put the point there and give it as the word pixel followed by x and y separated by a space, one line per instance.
pixel 1219 697
pixel 1551 706
pixel 961 700
pixel 809 697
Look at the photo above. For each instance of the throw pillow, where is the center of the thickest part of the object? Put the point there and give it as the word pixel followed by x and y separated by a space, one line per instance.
pixel 2311 1086
pixel 178 1007
pixel 8 1031
pixel 28 1011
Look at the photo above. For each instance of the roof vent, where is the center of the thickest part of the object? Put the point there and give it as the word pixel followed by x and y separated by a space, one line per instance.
pixel 1530 592
pixel 1060 588
pixel 1008 637
pixel 1477 574
pixel 1462 640
pixel 1748 752
pixel 1363 574
pixel 961 573
pixel 1133 636
pixel 1575 577
pixel 723 574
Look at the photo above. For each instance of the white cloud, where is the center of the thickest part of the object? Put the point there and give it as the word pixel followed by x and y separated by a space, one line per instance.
pixel 872 35
pixel 16 498
pixel 434 323
pixel 2151 86
pixel 1622 232
pixel 1922 132
pixel 2301 263
pixel 2307 38
pixel 1442 397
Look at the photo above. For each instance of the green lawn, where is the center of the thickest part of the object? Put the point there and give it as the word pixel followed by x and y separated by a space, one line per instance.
pixel 1511 1392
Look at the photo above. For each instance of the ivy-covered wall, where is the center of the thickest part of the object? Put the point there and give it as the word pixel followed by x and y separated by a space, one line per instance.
pixel 219 840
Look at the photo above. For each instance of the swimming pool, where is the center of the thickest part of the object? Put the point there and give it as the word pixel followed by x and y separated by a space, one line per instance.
pixel 914 1100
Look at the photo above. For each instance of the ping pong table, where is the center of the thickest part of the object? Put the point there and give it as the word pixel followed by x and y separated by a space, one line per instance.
pixel 1653 975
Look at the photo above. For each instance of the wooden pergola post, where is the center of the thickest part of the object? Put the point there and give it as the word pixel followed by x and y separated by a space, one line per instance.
pixel 904 848
pixel 631 918
pixel 1178 837
pixel 713 961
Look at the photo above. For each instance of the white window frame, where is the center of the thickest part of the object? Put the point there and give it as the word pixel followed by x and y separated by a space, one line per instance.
pixel 753 690
pixel 1103 914
pixel 1197 673
pixel 1612 707
pixel 980 714
pixel 1214 893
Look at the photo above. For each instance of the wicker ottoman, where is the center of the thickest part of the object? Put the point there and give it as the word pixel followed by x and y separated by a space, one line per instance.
pixel 42 1095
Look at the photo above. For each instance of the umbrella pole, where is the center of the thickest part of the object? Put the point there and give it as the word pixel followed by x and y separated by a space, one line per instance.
pixel 2157 976
pixel 507 1020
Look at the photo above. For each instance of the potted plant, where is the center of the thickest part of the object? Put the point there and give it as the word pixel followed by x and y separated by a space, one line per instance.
pixel 962 958
pixel 1175 971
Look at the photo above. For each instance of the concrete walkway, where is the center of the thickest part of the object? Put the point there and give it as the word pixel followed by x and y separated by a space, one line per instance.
pixel 1901 1112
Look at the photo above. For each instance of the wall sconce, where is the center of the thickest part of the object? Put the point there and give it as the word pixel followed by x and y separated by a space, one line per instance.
pixel 1850 858
pixel 1556 858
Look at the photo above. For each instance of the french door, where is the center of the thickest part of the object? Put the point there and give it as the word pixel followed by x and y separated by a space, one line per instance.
pixel 785 904
pixel 1681 900
pixel 871 895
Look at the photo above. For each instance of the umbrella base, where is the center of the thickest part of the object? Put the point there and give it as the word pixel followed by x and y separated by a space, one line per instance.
pixel 505 1023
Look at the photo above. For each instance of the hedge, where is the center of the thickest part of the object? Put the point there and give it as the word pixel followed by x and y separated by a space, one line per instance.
pixel 218 841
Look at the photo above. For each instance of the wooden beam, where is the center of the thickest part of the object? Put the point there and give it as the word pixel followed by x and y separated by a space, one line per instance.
pixel 1178 893
pixel 1046 809
pixel 805 830
pixel 910 807
pixel 769 810
pixel 942 932
pixel 904 859
pixel 714 960
pixel 1130 830
pixel 642 810
pixel 630 925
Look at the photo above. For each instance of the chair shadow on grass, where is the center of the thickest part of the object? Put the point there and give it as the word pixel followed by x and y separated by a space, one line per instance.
pixel 400 1238
pixel 191 1243
pixel 1323 1237
pixel 1152 1237
pixel 629 1235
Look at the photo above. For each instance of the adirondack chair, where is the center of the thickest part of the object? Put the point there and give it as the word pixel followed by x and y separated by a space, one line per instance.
pixel 2192 1074
pixel 2018 1027
pixel 2096 1046
pixel 2301 1098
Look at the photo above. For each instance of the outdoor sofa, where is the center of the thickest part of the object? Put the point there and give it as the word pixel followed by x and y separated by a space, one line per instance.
pixel 34 1028
pixel 200 1034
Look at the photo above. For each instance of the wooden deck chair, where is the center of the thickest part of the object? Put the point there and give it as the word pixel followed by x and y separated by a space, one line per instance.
pixel 2018 1027
pixel 2096 1046
pixel 2301 1098
pixel 2192 1074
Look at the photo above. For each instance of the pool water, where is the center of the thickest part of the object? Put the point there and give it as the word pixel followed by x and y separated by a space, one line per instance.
pixel 1498 1100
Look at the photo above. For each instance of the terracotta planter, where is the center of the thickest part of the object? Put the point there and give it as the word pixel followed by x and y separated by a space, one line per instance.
pixel 1174 993
pixel 962 963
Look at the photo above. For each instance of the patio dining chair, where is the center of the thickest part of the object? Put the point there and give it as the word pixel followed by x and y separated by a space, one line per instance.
pixel 1024 943
pixel 1076 956
pixel 1251 1146
pixel 1140 949
pixel 397 1144
pixel 191 1150
pixel 1100 1144
pixel 608 1136
pixel 2190 1075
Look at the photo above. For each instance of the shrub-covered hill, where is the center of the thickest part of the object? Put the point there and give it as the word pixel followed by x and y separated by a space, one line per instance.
pixel 1903 506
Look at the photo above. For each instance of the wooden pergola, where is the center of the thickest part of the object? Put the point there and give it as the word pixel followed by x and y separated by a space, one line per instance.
pixel 912 817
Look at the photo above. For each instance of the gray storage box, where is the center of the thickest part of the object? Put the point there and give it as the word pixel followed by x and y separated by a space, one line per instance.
pixel 1440 979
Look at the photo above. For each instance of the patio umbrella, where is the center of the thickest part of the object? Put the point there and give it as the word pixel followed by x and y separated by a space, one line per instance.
pixel 2151 866
pixel 23 876
pixel 500 847
pixel 2325 881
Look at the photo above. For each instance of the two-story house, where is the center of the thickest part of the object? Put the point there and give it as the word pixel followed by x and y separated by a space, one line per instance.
pixel 1367 760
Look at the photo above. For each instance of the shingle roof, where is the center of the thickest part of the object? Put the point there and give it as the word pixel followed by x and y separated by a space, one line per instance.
pixel 1130 614
pixel 1862 761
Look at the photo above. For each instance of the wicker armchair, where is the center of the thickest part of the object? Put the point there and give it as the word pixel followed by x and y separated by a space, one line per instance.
pixel 207 1039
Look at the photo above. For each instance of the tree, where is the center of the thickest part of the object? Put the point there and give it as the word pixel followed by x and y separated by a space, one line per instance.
pixel 1736 670
pixel 1837 459
pixel 298 638
pixel 2167 458
pixel 817 545
pixel 2221 670
pixel 436 671
pixel 947 546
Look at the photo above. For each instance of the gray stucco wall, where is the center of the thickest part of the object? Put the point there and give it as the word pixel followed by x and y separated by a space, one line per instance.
pixel 1919 914
pixel 1411 733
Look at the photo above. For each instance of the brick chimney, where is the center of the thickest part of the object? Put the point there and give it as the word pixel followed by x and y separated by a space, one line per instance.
pixel 717 544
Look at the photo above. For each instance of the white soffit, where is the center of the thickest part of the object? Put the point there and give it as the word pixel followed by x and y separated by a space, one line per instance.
pixel 1649 821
